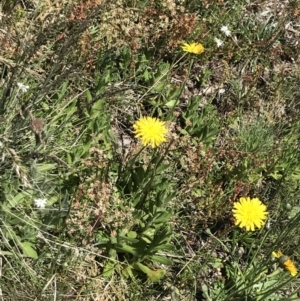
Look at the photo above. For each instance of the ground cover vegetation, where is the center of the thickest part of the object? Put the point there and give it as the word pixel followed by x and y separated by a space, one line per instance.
pixel 149 150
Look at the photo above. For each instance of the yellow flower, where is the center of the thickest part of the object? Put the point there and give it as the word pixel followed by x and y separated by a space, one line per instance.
pixel 249 213
pixel 151 131
pixel 286 262
pixel 196 48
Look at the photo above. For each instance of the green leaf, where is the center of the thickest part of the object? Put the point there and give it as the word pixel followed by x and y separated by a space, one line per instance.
pixel 161 217
pixel 159 87
pixel 97 107
pixel 149 232
pixel 45 167
pixel 28 250
pixel 127 272
pixel 147 76
pixel 162 167
pixel 174 93
pixel 147 239
pixel 88 95
pixel 128 239
pixel 296 175
pixel 132 234
pixel 128 249
pixel 154 275
pixel 162 259
pixel 171 103
pixel 69 159
pixel 163 247
pixel 109 269
pixel 294 212
pixel 20 198
pixel 6 253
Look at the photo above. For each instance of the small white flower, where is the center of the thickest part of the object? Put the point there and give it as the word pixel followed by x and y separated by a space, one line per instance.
pixel 282 110
pixel 41 203
pixel 221 91
pixel 22 87
pixel 218 42
pixel 226 30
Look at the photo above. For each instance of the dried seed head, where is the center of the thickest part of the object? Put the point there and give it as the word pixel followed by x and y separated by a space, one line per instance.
pixel 37 125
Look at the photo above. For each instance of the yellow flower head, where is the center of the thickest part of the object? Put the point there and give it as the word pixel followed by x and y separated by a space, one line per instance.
pixel 196 48
pixel 151 131
pixel 249 213
pixel 286 263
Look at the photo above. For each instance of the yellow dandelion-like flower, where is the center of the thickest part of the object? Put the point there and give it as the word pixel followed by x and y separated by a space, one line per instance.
pixel 151 131
pixel 286 263
pixel 196 48
pixel 249 213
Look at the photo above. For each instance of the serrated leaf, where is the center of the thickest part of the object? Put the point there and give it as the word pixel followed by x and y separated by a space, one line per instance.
pixel 109 269
pixel 127 272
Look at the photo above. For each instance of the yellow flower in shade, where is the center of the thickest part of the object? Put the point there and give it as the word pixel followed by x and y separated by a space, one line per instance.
pixel 150 130
pixel 249 213
pixel 285 262
pixel 196 48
